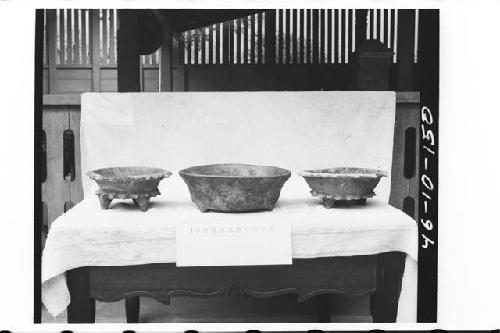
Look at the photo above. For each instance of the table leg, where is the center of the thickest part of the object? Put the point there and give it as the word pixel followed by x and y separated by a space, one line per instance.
pixel 384 303
pixel 82 307
pixel 132 306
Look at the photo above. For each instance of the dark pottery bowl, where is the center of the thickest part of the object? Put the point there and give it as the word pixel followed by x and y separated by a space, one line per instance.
pixel 234 187
pixel 343 185
pixel 136 183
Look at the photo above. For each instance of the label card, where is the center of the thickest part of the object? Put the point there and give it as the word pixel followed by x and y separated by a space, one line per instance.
pixel 234 244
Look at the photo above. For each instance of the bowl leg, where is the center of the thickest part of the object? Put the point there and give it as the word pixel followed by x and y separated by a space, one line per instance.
pixel 105 201
pixel 143 203
pixel 202 208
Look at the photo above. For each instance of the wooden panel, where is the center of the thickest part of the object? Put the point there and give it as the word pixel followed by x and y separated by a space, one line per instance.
pixel 150 79
pixel 346 275
pixel 74 74
pixel 407 115
pixel 76 190
pixel 55 190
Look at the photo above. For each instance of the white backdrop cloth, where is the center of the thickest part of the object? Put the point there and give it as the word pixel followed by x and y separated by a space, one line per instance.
pixel 294 130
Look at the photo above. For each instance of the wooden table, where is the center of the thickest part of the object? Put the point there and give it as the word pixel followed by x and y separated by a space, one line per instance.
pixel 378 275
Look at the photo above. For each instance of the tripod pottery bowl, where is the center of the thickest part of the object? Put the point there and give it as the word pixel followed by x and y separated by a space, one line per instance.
pixel 234 187
pixel 136 183
pixel 337 186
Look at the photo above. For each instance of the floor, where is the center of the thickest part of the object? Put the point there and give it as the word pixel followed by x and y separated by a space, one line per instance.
pixel 230 309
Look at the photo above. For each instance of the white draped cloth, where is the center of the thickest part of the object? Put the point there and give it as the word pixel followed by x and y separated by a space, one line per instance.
pixel 177 130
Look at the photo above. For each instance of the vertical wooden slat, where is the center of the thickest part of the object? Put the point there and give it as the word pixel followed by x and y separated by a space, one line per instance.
pixel 279 51
pixel 392 31
pixel 307 23
pixel 211 42
pixel 336 51
pixel 105 46
pixel 94 45
pixel 189 42
pixel 342 35
pixel 350 34
pixel 294 38
pixel 379 23
pixel 321 37
pixel 315 31
pixel 238 41
pixel 232 42
pixel 287 47
pixel 62 30
pixel 302 43
pixel 206 42
pixel 270 50
pixel 244 27
pixel 226 42
pixel 259 24
pixel 112 48
pixel 52 49
pixel 196 41
pixel 203 33
pixel 45 61
pixel 69 36
pixel 329 36
pixel 252 47
pixel 218 27
pixel 83 20
pixel 386 28
pixel 76 39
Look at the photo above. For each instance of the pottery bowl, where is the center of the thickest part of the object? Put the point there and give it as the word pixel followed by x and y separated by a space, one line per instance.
pixel 234 187
pixel 137 183
pixel 340 184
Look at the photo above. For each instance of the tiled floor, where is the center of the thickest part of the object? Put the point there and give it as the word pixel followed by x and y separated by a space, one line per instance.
pixel 230 309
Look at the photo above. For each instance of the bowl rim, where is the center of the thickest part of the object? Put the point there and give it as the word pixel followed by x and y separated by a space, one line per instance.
pixel 187 171
pixel 322 173
pixel 156 173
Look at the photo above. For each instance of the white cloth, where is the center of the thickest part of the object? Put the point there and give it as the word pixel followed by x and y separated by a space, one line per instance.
pixel 293 130
pixel 124 235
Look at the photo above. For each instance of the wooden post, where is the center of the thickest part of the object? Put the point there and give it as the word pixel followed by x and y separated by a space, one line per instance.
pixel 128 56
pixel 52 49
pixel 406 44
pixel 94 45
pixel 166 58
pixel 270 41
